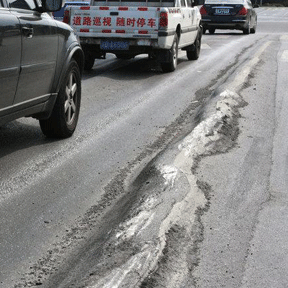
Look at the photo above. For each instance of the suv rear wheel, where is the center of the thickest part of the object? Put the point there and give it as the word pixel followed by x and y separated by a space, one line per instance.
pixel 64 117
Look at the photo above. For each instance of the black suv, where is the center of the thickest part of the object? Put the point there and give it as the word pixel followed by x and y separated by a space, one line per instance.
pixel 41 63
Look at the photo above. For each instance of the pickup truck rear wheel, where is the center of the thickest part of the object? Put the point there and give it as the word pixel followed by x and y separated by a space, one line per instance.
pixel 89 61
pixel 172 64
pixel 253 29
pixel 64 117
pixel 194 54
pixel 246 30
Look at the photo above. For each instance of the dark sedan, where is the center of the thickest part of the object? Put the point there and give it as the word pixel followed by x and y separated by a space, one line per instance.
pixel 229 14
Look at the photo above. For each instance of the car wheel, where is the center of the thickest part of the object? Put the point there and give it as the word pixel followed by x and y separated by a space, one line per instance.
pixel 194 54
pixel 246 31
pixel 64 117
pixel 212 30
pixel 253 30
pixel 89 61
pixel 171 66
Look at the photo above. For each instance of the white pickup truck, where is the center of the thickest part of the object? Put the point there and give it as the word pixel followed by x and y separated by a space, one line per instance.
pixel 128 28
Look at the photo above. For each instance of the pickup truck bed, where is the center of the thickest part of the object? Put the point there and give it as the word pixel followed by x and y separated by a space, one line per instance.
pixel 127 29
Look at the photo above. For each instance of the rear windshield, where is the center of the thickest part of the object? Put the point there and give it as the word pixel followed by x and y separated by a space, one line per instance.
pixel 224 2
pixel 139 1
pixel 135 3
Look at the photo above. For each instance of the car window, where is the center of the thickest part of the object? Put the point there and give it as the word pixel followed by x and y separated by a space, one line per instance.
pixel 22 4
pixel 189 3
pixel 183 4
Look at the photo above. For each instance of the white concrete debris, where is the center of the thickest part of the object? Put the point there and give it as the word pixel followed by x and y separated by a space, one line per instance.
pixel 200 142
pixel 143 261
pixel 205 133
pixel 202 138
pixel 169 173
pixel 182 213
pixel 135 225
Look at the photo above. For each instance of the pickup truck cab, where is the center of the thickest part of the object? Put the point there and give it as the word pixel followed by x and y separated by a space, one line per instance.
pixel 41 62
pixel 128 28
pixel 58 15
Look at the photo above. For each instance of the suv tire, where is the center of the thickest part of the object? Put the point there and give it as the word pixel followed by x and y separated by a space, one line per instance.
pixel 64 117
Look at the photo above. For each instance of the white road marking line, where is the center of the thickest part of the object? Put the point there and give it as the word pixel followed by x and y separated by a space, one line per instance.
pixel 284 56
pixel 223 36
pixel 205 46
pixel 240 78
pixel 284 37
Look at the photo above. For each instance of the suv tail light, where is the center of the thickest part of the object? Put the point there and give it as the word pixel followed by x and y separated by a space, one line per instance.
pixel 243 11
pixel 163 19
pixel 66 17
pixel 203 11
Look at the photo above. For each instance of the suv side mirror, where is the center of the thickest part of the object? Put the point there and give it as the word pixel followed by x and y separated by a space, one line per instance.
pixel 51 5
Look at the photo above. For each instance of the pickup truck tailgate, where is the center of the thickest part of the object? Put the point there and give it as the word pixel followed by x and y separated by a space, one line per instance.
pixel 115 21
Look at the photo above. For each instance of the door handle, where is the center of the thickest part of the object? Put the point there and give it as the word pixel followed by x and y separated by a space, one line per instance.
pixel 28 32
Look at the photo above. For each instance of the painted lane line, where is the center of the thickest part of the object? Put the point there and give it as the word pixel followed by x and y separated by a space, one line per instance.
pixel 241 77
pixel 205 46
pixel 284 56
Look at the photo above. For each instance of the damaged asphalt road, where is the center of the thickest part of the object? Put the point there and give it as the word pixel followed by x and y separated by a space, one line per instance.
pixel 193 208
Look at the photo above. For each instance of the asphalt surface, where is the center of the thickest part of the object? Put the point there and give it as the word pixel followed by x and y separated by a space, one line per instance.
pixel 171 180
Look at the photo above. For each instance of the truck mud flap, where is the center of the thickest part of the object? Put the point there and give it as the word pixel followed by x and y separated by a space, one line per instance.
pixel 164 56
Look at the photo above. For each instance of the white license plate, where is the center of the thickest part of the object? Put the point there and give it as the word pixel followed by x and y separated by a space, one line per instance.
pixel 221 11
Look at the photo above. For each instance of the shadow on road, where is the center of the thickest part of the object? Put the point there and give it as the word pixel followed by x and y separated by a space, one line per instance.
pixel 135 68
pixel 139 68
pixel 24 133
pixel 18 135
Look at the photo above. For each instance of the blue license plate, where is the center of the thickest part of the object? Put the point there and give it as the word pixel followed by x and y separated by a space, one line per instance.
pixel 114 45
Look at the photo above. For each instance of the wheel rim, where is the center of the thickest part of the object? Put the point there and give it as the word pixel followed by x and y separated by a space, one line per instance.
pixel 71 99
pixel 175 52
pixel 198 45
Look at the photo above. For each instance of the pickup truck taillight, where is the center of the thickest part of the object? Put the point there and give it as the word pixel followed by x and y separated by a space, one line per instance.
pixel 66 17
pixel 163 19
